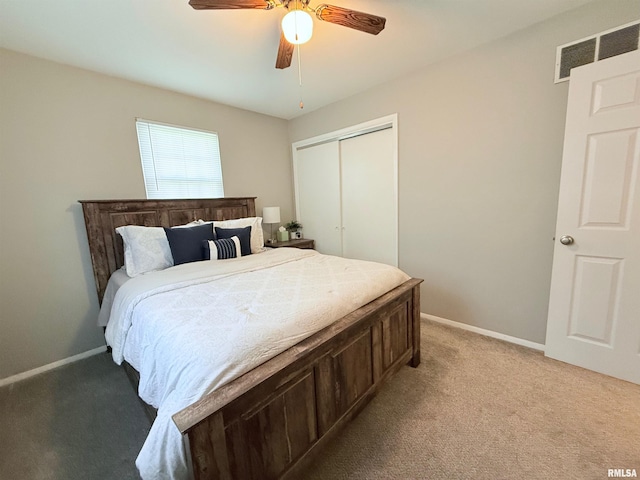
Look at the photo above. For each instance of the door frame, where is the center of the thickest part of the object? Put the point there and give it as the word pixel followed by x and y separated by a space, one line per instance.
pixel 371 126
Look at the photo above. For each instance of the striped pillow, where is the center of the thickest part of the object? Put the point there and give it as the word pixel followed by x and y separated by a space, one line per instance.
pixel 222 249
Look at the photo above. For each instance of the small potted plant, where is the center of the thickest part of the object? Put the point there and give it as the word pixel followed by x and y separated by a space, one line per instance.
pixel 293 227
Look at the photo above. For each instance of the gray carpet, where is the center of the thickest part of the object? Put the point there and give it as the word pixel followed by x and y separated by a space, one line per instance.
pixel 476 408
pixel 80 421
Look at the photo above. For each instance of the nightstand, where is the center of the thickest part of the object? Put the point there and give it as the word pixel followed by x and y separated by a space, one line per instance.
pixel 297 243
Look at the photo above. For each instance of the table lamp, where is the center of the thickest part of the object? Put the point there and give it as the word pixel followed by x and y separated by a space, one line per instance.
pixel 271 215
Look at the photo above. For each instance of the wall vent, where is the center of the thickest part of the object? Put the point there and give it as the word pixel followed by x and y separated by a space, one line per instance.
pixel 610 43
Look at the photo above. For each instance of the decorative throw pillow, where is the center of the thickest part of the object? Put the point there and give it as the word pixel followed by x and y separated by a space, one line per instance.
pixel 145 249
pixel 257 236
pixel 243 234
pixel 186 243
pixel 222 249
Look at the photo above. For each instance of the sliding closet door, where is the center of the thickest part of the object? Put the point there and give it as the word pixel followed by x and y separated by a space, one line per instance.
pixel 369 205
pixel 346 185
pixel 318 192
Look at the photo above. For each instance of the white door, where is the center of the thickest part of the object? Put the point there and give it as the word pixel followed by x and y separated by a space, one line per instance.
pixel 317 172
pixel 369 205
pixel 594 307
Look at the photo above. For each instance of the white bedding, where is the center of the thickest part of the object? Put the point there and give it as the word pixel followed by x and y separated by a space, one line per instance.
pixel 192 328
pixel 116 280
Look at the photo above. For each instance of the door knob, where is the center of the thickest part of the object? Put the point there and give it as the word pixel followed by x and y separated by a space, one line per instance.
pixel 566 239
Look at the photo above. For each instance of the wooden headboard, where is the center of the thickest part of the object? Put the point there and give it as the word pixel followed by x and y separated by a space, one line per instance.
pixel 102 217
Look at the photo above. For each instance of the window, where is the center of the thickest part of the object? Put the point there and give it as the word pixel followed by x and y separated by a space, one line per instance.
pixel 179 162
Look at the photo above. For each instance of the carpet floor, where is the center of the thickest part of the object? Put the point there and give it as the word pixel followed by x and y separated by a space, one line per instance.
pixel 476 408
pixel 81 421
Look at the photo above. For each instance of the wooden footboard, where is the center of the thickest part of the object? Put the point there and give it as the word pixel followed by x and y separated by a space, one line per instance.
pixel 270 422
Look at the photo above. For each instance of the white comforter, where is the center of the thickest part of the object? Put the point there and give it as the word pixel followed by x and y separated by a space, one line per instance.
pixel 192 328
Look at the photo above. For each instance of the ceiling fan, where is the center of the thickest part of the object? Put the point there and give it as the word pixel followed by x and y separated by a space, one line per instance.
pixel 298 13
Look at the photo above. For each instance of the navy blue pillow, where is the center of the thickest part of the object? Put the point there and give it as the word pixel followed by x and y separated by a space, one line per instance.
pixel 243 234
pixel 186 242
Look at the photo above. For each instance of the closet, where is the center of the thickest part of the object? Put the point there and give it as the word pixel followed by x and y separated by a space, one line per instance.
pixel 346 191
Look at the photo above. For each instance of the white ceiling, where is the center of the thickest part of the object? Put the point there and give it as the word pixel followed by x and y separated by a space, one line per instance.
pixel 228 56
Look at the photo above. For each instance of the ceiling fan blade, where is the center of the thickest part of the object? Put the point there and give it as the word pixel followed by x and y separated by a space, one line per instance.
pixel 229 4
pixel 365 22
pixel 285 53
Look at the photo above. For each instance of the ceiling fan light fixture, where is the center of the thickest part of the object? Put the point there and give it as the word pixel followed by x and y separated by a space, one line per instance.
pixel 297 27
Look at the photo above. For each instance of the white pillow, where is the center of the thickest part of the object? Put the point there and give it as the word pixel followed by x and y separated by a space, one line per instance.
pixel 257 237
pixel 146 249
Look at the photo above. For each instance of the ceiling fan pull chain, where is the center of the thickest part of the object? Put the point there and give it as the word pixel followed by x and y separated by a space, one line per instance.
pixel 300 76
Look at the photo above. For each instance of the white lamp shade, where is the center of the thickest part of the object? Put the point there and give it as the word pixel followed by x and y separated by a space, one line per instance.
pixel 271 215
pixel 297 27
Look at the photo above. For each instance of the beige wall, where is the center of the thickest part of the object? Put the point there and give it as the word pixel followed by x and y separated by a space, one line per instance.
pixel 480 148
pixel 69 134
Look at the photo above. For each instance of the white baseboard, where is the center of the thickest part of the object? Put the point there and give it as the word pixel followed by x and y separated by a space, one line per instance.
pixel 51 366
pixel 482 331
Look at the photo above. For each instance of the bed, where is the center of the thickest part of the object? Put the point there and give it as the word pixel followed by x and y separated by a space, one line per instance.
pixel 271 420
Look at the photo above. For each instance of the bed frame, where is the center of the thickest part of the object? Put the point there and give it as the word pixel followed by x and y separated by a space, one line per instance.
pixel 270 422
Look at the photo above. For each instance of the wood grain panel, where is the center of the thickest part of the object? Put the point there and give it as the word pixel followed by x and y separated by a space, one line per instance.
pixel 414 331
pixel 353 372
pixel 376 351
pixel 269 439
pixel 300 412
pixel 183 216
pixel 326 401
pixel 285 53
pixel 237 442
pixel 365 22
pixel 395 336
pixel 207 461
pixel 231 4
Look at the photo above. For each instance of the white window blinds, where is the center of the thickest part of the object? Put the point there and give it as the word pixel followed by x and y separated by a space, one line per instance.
pixel 179 162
